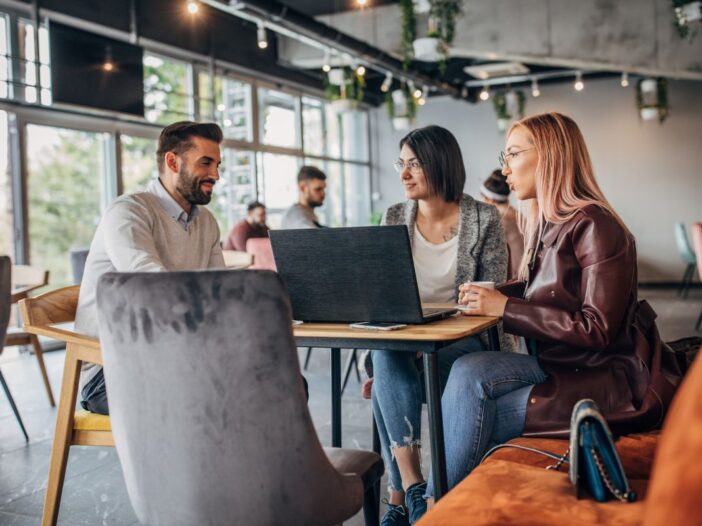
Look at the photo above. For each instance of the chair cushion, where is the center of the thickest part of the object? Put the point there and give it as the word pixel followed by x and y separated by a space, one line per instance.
pixel 501 492
pixel 676 482
pixel 87 421
pixel 366 464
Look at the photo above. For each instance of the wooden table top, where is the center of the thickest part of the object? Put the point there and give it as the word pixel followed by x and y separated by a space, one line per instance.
pixel 453 328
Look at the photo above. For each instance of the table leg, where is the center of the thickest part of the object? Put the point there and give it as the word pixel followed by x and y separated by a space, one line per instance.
pixel 436 424
pixel 494 338
pixel 336 396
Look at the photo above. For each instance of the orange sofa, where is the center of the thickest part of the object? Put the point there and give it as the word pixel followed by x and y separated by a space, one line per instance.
pixel 665 469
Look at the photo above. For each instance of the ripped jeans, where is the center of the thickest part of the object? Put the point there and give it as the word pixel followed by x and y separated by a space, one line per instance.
pixel 397 396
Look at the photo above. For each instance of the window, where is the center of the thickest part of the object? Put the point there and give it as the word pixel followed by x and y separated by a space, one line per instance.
pixel 278 183
pixel 32 67
pixel 333 133
pixel 333 209
pixel 235 189
pixel 167 90
pixel 4 58
pixel 354 126
pixel 278 118
pixel 6 223
pixel 64 185
pixel 313 126
pixel 138 163
pixel 357 194
pixel 230 106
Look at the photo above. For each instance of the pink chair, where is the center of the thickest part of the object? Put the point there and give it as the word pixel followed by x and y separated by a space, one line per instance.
pixel 697 243
pixel 260 249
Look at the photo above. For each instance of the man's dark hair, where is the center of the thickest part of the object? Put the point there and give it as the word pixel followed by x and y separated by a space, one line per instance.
pixel 177 138
pixel 307 173
pixel 254 205
pixel 442 163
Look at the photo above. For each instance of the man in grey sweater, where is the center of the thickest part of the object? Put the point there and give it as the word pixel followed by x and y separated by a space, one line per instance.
pixel 311 183
pixel 161 229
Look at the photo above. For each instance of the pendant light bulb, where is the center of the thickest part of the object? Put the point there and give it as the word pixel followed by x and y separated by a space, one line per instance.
pixel 535 91
pixel 579 85
pixel 261 36
pixel 625 79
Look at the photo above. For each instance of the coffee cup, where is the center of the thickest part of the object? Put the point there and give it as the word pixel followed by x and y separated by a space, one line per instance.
pixel 483 284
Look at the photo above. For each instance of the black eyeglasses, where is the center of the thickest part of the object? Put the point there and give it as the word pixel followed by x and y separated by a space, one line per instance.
pixel 505 157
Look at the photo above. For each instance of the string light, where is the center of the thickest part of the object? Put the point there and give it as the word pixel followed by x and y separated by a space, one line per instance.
pixel 535 92
pixel 625 79
pixel 193 8
pixel 579 85
pixel 326 67
pixel 484 94
pixel 385 86
pixel 261 36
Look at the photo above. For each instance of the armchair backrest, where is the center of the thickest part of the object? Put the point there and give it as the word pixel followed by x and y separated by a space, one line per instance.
pixel 260 248
pixel 50 308
pixel 207 403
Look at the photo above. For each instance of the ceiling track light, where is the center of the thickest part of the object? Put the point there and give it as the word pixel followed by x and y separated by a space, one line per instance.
pixel 625 79
pixel 535 91
pixel 579 85
pixel 484 94
pixel 192 7
pixel 108 66
pixel 385 86
pixel 261 36
pixel 326 67
pixel 361 70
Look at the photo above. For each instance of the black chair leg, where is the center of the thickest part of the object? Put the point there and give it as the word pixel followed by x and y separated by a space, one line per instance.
pixel 699 322
pixel 351 361
pixel 307 358
pixel 688 276
pixel 371 507
pixel 14 407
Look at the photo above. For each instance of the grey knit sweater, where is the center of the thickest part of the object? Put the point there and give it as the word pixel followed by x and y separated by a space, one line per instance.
pixel 482 251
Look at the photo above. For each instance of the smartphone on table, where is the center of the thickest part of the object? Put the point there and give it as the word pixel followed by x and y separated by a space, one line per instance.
pixel 372 326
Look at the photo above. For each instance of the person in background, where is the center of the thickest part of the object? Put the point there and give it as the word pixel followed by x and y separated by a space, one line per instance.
pixel 253 225
pixel 495 191
pixel 311 184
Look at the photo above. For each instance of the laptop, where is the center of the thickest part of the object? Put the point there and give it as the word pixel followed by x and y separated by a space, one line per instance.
pixel 355 274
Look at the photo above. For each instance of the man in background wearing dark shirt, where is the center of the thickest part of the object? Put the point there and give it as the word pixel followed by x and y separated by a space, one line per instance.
pixel 254 225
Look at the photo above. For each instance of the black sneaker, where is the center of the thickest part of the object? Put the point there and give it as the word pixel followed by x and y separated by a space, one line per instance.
pixel 395 516
pixel 415 502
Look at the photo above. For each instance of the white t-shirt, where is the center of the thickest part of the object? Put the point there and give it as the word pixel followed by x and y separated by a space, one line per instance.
pixel 435 266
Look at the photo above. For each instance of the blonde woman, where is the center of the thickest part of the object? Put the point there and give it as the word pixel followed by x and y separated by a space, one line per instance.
pixel 577 306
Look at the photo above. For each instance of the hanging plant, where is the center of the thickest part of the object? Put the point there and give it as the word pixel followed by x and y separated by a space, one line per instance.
pixel 684 12
pixel 508 105
pixel 409 31
pixel 445 13
pixel 344 88
pixel 402 108
pixel 652 99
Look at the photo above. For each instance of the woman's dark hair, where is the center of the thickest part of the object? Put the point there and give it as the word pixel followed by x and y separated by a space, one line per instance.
pixel 177 138
pixel 437 150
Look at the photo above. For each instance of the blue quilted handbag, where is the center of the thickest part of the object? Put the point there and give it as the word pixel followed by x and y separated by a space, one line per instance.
pixel 594 463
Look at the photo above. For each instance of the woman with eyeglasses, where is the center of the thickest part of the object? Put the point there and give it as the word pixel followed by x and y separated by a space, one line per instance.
pixel 577 307
pixel 454 239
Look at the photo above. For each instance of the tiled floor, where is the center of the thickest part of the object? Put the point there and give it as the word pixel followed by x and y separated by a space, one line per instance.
pixel 94 492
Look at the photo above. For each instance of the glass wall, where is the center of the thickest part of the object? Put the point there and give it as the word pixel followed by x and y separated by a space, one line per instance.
pixel 34 74
pixel 228 103
pixel 235 189
pixel 277 183
pixel 138 162
pixel 4 58
pixel 64 187
pixel 167 90
pixel 278 118
pixel 6 222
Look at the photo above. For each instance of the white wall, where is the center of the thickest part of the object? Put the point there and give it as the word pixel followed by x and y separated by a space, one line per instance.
pixel 651 173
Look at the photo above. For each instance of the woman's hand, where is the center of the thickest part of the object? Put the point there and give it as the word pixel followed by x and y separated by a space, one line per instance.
pixel 482 301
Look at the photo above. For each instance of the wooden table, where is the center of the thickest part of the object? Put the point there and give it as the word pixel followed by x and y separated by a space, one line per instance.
pixel 428 339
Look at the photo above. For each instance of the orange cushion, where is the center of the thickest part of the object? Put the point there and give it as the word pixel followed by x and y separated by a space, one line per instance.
pixel 676 483
pixel 501 492
pixel 87 421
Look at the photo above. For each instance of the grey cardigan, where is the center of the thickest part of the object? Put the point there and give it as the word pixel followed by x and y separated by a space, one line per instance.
pixel 482 250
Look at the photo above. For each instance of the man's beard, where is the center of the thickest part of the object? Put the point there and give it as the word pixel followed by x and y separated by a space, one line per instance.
pixel 315 204
pixel 189 187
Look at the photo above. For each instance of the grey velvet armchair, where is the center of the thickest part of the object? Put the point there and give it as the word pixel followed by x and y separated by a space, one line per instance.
pixel 208 409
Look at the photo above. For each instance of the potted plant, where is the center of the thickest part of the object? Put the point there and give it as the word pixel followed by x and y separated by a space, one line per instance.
pixel 344 89
pixel 402 108
pixel 652 99
pixel 508 105
pixel 409 31
pixel 684 12
pixel 429 48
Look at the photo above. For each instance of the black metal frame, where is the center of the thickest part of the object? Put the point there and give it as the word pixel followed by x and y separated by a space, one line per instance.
pixel 433 388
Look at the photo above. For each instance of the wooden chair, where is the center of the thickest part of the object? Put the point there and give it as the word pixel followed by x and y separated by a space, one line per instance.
pixel 80 428
pixel 26 279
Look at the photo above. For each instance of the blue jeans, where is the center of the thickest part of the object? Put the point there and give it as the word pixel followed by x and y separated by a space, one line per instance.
pixel 397 396
pixel 484 404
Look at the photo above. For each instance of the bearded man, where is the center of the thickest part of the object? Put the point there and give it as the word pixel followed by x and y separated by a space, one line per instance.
pixel 161 229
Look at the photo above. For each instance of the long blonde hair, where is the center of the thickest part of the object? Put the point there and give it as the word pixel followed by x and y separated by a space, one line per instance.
pixel 565 182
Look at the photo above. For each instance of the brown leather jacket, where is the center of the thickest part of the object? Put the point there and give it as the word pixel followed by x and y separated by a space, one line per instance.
pixel 591 335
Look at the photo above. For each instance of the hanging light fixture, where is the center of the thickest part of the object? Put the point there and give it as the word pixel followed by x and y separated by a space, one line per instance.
pixel 361 70
pixel 192 7
pixel 385 86
pixel 261 36
pixel 108 66
pixel 362 3
pixel 535 91
pixel 326 67
pixel 484 94
pixel 579 85
pixel 625 79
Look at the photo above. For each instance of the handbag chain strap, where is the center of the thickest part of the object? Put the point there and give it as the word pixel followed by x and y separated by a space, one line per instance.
pixel 622 496
pixel 563 458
